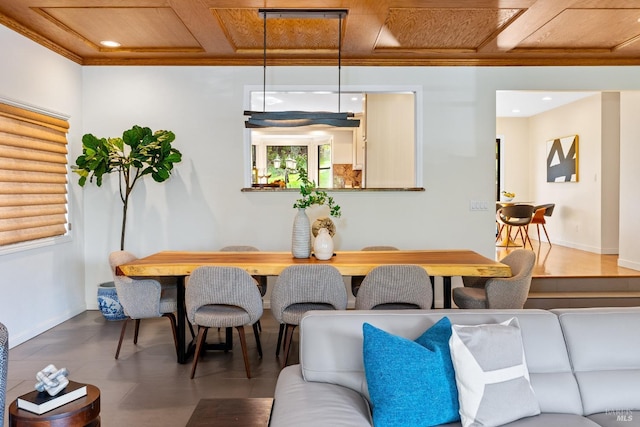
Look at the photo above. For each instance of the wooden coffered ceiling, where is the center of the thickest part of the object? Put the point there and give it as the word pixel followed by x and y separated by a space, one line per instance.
pixel 377 32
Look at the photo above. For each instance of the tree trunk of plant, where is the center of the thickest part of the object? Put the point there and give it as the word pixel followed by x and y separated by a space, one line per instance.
pixel 124 220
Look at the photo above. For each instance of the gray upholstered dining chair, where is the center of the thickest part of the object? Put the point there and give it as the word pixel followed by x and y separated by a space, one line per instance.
pixel 142 299
pixel 356 281
pixel 223 297
pixel 508 292
pixel 4 365
pixel 260 280
pixel 393 287
pixel 301 288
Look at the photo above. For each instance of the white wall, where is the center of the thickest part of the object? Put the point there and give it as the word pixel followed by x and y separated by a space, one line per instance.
pixel 576 220
pixel 343 146
pixel 610 173
pixel 514 133
pixel 629 189
pixel 45 286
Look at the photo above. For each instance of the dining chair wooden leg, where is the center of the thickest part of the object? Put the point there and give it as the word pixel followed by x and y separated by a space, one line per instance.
pixel 526 238
pixel 202 333
pixel 193 334
pixel 522 236
pixel 243 345
pixel 508 235
pixel 499 235
pixel 545 233
pixel 287 343
pixel 136 330
pixel 122 331
pixel 256 334
pixel 280 333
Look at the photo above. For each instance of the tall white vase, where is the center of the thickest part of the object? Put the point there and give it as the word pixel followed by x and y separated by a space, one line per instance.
pixel 323 245
pixel 301 235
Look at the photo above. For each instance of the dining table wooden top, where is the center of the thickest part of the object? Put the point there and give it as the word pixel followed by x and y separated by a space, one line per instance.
pixel 456 262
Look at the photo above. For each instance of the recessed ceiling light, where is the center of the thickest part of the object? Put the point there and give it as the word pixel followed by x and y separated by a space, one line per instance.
pixel 515 110
pixel 547 98
pixel 109 43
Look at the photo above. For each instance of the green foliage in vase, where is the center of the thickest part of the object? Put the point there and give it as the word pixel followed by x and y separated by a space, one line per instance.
pixel 139 152
pixel 311 195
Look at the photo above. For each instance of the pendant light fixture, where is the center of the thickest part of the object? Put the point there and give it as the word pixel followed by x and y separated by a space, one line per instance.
pixel 267 119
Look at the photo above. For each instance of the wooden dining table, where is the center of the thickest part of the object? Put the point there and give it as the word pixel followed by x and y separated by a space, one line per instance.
pixel 180 264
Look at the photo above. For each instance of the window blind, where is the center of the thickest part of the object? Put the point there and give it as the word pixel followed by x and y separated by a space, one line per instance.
pixel 33 175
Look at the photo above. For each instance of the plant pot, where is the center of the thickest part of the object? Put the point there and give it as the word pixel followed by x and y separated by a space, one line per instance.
pixel 108 302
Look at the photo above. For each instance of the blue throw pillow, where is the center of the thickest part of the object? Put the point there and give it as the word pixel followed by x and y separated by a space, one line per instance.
pixel 411 383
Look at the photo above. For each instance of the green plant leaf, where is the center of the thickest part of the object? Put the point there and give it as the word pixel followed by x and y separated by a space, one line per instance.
pixel 137 153
pixel 312 196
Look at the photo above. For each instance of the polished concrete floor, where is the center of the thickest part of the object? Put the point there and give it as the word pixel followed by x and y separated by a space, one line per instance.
pixel 145 386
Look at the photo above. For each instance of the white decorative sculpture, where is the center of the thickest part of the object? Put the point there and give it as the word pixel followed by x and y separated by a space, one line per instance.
pixel 52 380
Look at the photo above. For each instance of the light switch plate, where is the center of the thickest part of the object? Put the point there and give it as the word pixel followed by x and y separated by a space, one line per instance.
pixel 478 205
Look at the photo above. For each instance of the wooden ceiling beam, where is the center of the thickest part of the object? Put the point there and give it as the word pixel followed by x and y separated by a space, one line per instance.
pixel 201 21
pixel 540 13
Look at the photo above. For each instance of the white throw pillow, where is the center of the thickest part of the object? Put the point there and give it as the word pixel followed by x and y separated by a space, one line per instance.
pixel 491 374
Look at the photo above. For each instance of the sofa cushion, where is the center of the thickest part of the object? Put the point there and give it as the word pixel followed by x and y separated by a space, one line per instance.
pixel 553 420
pixel 491 374
pixel 604 348
pixel 411 383
pixel 331 347
pixel 310 404
pixel 546 420
pixel 617 418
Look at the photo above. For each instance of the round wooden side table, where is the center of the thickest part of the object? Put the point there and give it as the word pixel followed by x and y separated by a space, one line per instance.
pixel 83 412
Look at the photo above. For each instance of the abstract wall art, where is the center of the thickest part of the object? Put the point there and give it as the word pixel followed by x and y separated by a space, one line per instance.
pixel 562 159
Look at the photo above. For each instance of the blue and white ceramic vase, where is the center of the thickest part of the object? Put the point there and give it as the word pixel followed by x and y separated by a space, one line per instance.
pixel 323 245
pixel 108 302
pixel 301 235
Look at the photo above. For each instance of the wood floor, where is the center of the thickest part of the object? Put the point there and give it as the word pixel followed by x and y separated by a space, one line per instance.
pixel 568 278
pixel 561 261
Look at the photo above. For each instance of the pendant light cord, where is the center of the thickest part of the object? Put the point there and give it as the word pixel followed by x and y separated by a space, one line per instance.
pixel 339 58
pixel 264 64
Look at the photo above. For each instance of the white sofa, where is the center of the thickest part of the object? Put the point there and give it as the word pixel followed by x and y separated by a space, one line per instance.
pixel 584 364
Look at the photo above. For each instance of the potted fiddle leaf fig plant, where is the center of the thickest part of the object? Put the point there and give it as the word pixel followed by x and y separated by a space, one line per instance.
pixel 139 152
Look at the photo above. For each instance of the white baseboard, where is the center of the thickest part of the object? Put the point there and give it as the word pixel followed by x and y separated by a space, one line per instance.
pixel 588 248
pixel 36 330
pixel 629 264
